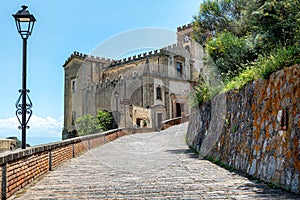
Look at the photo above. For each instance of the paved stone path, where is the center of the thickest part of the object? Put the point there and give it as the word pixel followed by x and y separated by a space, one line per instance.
pixel 147 166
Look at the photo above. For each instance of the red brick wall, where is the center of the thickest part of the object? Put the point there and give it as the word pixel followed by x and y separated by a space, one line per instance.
pixel 97 142
pixel 23 171
pixel 110 137
pixel 21 167
pixel 60 155
pixel 81 147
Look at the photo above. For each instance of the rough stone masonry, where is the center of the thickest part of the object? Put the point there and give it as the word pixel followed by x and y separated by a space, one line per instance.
pixel 256 129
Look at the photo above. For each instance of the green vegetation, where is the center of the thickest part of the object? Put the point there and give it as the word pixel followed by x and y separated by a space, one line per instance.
pixel 265 65
pixel 247 39
pixel 229 53
pixel 89 124
pixel 201 92
pixel 105 120
pixel 219 163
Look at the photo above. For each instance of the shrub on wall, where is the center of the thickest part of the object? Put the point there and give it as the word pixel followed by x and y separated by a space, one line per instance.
pixel 87 125
pixel 248 39
pixel 265 66
pixel 201 92
pixel 229 54
pixel 104 119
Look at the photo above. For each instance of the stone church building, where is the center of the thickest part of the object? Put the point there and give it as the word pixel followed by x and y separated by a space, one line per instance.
pixel 140 91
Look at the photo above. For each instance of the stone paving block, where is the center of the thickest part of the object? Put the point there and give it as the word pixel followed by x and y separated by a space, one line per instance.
pixel 146 166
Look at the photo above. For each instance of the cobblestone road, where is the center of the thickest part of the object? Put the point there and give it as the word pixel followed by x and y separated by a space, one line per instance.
pixel 146 166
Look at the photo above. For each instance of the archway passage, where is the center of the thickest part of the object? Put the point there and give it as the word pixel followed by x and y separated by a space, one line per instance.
pixel 138 122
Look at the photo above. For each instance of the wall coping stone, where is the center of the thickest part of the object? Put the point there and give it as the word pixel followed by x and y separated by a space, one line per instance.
pixel 9 156
pixel 169 120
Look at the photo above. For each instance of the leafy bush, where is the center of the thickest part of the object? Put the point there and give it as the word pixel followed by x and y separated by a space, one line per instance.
pixel 239 81
pixel 277 60
pixel 247 39
pixel 201 92
pixel 215 17
pixel 87 125
pixel 104 119
pixel 265 66
pixel 229 54
pixel 275 21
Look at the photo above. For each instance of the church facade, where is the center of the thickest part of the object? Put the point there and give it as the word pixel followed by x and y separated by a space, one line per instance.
pixel 140 91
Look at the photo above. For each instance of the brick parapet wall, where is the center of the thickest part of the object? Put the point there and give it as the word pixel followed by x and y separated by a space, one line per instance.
pixel 257 129
pixel 20 167
pixel 174 121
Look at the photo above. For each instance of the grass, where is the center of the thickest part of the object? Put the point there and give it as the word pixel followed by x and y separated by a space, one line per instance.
pixel 219 163
pixel 264 66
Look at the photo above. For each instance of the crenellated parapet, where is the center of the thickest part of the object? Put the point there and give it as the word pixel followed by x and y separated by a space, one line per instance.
pixel 184 27
pixel 175 49
pixel 135 58
pixel 82 56
pixel 172 47
pixel 99 59
pixel 75 54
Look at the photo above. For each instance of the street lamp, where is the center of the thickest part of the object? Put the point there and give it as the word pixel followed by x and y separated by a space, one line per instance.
pixel 24 22
pixel 117 93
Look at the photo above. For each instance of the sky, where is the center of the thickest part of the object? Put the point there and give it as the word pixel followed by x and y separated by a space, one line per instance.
pixel 62 27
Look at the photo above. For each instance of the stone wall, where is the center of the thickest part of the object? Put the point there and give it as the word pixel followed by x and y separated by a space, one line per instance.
pixel 21 167
pixel 255 130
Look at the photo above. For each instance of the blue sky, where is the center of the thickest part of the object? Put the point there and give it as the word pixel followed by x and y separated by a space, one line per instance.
pixel 64 26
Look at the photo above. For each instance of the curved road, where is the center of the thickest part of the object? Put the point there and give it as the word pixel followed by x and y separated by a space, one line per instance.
pixel 146 166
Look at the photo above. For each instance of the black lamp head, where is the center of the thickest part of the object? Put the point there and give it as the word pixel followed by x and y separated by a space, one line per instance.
pixel 24 22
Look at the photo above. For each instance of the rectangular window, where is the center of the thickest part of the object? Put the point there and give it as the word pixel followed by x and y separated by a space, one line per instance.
pixel 179 69
pixel 73 86
pixel 158 93
pixel 284 120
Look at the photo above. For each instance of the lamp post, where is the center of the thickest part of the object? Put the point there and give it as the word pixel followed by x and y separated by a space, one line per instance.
pixel 116 93
pixel 24 22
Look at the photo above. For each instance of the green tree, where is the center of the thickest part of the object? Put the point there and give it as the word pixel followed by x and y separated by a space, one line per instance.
pixel 239 31
pixel 229 53
pixel 105 120
pixel 216 16
pixel 249 39
pixel 87 125
pixel 272 23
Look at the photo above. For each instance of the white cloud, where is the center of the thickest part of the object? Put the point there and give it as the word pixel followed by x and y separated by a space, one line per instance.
pixel 9 123
pixel 34 122
pixel 42 130
pixel 45 123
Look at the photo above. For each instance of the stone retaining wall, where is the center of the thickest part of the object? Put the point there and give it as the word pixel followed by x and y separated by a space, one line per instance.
pixel 20 167
pixel 255 130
